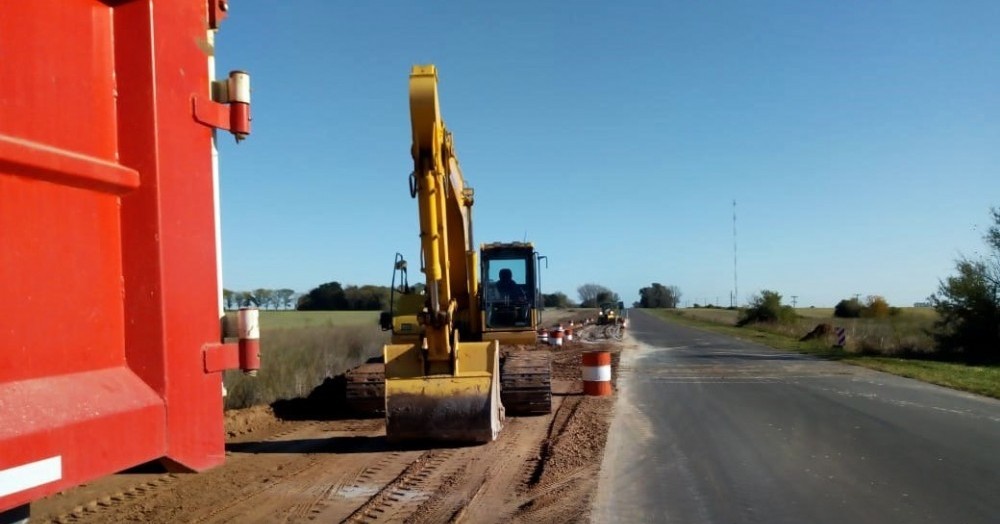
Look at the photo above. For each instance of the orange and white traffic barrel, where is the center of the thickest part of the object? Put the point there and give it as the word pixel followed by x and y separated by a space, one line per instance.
pixel 596 373
pixel 556 337
pixel 569 334
pixel 543 336
pixel 249 331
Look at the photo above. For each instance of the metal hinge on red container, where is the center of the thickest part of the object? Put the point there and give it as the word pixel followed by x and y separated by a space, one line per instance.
pixel 229 107
pixel 245 355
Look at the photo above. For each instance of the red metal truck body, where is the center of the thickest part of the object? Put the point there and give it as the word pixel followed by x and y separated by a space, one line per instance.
pixel 110 317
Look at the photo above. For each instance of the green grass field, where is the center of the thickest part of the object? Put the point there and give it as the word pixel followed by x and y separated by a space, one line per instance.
pixel 298 319
pixel 909 324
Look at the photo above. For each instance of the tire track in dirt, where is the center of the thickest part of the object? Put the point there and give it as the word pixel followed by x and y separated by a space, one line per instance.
pixel 250 468
pixel 359 484
pixel 401 497
pixel 491 478
pixel 356 453
pixel 540 469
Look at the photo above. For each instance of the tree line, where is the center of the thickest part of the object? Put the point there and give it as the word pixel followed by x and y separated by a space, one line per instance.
pixel 330 296
pixel 334 296
pixel 264 298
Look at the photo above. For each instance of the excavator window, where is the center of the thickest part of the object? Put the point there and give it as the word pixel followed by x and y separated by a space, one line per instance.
pixel 509 291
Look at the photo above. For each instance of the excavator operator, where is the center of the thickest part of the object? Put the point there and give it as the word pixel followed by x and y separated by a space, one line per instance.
pixel 508 287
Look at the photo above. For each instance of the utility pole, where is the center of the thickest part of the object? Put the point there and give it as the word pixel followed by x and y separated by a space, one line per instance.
pixel 795 299
pixel 736 287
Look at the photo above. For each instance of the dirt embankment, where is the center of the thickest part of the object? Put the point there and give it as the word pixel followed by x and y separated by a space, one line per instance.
pixel 299 461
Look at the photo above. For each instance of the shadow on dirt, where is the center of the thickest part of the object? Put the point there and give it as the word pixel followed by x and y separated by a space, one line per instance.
pixel 340 444
pixel 152 467
pixel 324 402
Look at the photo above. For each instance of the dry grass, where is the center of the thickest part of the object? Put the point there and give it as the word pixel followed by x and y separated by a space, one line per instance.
pixel 296 319
pixel 300 350
pixel 815 312
pixel 904 333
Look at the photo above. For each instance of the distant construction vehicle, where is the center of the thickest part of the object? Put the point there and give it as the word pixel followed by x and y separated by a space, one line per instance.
pixel 611 313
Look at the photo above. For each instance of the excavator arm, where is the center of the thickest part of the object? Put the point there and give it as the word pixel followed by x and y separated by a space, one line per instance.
pixel 442 388
pixel 445 209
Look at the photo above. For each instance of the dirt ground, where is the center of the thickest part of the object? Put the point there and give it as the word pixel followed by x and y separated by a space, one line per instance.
pixel 296 461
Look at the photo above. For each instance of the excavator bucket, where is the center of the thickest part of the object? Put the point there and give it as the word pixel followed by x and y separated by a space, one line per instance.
pixel 460 407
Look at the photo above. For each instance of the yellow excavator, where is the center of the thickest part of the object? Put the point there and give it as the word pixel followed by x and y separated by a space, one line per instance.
pixel 444 376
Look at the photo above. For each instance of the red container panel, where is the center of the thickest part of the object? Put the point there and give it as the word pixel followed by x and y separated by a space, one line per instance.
pixel 107 243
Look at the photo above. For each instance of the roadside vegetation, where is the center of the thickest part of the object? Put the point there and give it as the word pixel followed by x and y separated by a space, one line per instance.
pixel 983 379
pixel 299 349
pixel 954 343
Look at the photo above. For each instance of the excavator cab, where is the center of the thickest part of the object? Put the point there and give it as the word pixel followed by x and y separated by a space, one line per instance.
pixel 510 296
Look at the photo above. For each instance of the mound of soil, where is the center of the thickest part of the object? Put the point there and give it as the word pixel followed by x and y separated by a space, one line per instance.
pixel 821 331
pixel 324 402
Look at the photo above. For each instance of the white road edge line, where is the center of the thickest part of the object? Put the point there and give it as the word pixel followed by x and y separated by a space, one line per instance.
pixel 31 475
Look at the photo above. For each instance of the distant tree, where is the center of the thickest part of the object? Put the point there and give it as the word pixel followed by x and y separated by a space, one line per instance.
pixel 659 296
pixel 968 303
pixel 283 298
pixel 766 308
pixel 325 297
pixel 367 297
pixel 593 295
pixel 847 308
pixel 246 299
pixel 557 299
pixel 228 298
pixel 265 297
pixel 875 307
pixel 605 297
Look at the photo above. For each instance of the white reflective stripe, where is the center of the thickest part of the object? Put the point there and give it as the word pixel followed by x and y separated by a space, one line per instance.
pixel 597 374
pixel 249 324
pixel 239 87
pixel 30 475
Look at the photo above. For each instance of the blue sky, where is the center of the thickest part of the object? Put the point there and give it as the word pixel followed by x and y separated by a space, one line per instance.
pixel 861 140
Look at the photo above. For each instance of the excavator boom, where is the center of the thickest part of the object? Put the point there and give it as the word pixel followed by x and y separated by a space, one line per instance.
pixel 440 388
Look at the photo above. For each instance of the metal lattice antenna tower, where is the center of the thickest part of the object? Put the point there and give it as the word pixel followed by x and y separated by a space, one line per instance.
pixel 736 287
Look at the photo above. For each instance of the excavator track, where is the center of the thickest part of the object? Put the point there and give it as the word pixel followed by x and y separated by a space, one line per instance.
pixel 526 382
pixel 525 385
pixel 365 389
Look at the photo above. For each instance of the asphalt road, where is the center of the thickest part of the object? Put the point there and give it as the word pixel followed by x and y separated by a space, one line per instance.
pixel 708 428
